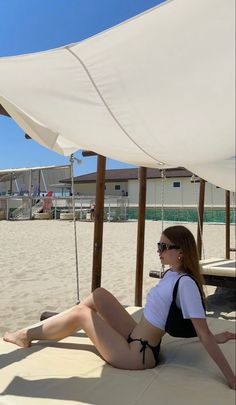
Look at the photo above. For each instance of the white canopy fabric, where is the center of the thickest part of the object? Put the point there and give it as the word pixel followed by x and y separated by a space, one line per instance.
pixel 155 91
pixel 35 168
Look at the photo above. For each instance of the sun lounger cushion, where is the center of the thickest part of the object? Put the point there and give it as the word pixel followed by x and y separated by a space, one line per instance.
pixel 71 372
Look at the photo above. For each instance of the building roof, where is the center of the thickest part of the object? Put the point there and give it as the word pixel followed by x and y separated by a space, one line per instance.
pixel 123 175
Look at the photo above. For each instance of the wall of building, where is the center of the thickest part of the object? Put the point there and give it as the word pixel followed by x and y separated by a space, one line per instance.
pixel 186 194
pixel 88 189
pixel 117 188
pixel 112 188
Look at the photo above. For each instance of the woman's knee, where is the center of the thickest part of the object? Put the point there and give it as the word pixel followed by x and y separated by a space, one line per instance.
pixel 100 291
pixel 99 299
pixel 79 313
pixel 96 295
pixel 102 296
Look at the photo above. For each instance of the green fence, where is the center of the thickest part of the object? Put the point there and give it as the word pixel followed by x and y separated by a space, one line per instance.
pixel 182 214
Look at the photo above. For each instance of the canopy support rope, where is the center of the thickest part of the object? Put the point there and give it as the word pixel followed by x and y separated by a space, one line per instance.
pixel 200 211
pixel 72 159
pixel 163 178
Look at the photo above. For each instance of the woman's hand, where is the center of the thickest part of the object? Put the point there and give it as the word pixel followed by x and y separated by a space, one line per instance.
pixel 224 337
pixel 210 342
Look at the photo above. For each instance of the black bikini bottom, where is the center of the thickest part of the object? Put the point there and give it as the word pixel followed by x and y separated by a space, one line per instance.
pixel 155 349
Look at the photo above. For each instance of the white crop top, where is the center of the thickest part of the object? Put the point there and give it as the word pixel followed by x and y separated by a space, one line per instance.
pixel 159 299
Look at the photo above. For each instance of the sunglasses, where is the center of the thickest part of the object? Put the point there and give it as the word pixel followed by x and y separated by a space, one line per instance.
pixel 161 247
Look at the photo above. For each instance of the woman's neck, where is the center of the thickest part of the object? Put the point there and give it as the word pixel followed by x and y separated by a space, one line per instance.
pixel 177 268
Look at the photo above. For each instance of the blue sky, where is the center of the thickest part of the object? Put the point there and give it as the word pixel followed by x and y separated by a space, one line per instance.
pixel 32 25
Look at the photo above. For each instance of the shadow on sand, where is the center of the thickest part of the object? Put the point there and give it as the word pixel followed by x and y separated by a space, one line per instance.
pixel 222 304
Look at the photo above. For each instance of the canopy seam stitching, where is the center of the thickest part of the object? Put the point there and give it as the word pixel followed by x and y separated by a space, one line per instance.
pixel 107 106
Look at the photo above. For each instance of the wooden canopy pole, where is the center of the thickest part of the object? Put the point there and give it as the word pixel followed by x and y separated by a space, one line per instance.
pixel 140 236
pixel 200 217
pixel 227 224
pixel 98 224
pixel 30 193
pixel 11 185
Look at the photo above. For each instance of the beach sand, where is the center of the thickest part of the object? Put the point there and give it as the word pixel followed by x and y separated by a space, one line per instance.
pixel 38 266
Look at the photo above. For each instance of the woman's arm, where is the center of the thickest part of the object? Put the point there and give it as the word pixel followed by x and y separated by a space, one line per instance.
pixel 210 341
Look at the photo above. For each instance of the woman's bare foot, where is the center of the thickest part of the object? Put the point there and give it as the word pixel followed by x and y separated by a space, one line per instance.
pixel 19 338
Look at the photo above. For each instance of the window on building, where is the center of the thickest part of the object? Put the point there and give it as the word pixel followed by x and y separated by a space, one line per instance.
pixel 117 187
pixel 176 184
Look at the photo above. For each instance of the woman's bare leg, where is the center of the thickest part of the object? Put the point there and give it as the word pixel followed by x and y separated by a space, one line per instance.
pixel 62 325
pixel 111 345
pixel 110 309
pixel 54 328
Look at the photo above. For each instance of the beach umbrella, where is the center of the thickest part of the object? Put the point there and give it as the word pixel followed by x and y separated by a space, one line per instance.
pixel 154 91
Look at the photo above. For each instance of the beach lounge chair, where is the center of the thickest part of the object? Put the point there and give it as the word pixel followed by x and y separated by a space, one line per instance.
pixel 217 272
pixel 71 372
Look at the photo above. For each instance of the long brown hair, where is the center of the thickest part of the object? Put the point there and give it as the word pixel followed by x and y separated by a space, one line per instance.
pixel 182 237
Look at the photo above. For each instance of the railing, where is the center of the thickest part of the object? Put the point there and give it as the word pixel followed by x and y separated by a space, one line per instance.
pixel 24 207
pixel 115 209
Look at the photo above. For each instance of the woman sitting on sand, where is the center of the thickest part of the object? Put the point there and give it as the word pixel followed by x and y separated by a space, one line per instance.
pixel 175 305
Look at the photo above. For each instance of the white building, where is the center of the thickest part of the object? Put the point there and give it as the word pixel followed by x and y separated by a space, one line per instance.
pixel 177 188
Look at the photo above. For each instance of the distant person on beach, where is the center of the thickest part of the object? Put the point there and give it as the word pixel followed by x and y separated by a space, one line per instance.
pixel 175 306
pixel 92 212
